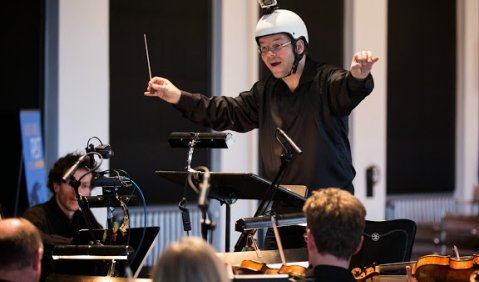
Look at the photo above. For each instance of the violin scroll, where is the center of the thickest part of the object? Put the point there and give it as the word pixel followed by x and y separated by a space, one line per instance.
pixel 362 274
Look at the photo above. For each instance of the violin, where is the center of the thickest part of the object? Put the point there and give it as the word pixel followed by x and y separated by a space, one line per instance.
pixel 445 268
pixel 255 267
pixel 430 268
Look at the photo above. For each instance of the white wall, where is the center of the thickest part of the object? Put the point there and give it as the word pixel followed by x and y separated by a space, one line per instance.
pixel 239 71
pixel 368 24
pixel 83 103
pixel 467 124
pixel 83 83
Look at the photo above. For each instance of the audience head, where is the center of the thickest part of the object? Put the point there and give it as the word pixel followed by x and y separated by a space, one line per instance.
pixel 189 259
pixel 336 221
pixel 22 250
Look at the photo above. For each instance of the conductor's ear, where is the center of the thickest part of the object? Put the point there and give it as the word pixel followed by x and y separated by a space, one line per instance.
pixel 299 46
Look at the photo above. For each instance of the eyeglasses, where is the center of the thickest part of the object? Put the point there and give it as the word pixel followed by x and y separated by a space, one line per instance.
pixel 273 48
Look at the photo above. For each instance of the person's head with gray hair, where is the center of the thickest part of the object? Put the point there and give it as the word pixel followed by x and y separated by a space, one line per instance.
pixel 22 250
pixel 189 259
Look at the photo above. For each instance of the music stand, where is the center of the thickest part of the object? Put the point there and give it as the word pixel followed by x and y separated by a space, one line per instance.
pixel 228 186
pixel 81 258
pixel 235 185
pixel 218 140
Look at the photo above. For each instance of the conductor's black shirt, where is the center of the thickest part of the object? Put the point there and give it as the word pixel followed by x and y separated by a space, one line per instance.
pixel 315 116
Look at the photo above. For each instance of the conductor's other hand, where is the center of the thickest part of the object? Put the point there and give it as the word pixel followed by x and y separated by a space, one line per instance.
pixel 164 89
pixel 362 64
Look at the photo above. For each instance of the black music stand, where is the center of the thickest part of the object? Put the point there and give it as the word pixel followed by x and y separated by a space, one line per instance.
pixel 218 140
pixel 228 186
pixel 82 258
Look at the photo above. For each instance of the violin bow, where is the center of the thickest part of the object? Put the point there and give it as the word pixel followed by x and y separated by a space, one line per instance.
pixel 278 239
pixel 456 252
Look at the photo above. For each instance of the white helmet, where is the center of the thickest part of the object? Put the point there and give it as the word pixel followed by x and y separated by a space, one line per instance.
pixel 282 21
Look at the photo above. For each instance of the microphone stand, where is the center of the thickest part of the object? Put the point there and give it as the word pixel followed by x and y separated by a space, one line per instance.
pixel 206 224
pixel 185 212
pixel 76 184
pixel 246 236
pixel 203 204
pixel 291 149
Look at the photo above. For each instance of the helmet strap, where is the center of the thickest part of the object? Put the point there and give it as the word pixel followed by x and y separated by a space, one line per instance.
pixel 297 59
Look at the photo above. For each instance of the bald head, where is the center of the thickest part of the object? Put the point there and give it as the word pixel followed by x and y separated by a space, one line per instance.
pixel 20 242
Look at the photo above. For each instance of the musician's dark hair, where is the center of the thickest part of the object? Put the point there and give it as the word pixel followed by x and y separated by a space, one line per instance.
pixel 62 165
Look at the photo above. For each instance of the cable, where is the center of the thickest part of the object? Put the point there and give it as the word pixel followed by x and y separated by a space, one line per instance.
pixel 144 219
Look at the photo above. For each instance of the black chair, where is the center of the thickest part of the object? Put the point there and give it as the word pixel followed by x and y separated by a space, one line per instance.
pixel 386 242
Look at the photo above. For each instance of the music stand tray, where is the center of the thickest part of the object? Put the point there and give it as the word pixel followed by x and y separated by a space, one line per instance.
pixel 235 185
pixel 81 258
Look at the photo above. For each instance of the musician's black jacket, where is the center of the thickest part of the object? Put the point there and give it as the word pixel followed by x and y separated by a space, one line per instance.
pixel 333 273
pixel 56 228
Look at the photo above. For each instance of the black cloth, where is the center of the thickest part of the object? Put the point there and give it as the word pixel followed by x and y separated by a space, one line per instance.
pixel 289 238
pixel 327 273
pixel 56 228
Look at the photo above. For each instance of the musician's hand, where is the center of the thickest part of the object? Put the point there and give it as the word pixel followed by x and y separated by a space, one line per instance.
pixel 229 270
pixel 409 276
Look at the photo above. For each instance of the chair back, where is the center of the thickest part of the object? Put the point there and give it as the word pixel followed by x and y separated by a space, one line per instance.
pixel 388 241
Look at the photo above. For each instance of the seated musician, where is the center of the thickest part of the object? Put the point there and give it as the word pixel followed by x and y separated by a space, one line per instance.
pixel 335 224
pixel 60 218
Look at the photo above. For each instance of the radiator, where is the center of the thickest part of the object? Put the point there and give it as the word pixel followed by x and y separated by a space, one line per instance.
pixel 168 218
pixel 423 208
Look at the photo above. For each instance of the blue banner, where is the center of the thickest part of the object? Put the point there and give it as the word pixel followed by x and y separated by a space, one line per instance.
pixel 33 157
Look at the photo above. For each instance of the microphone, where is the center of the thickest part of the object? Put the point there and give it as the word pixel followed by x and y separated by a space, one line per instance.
pixel 66 177
pixel 204 191
pixel 101 201
pixel 295 148
pixel 111 182
pixel 104 150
